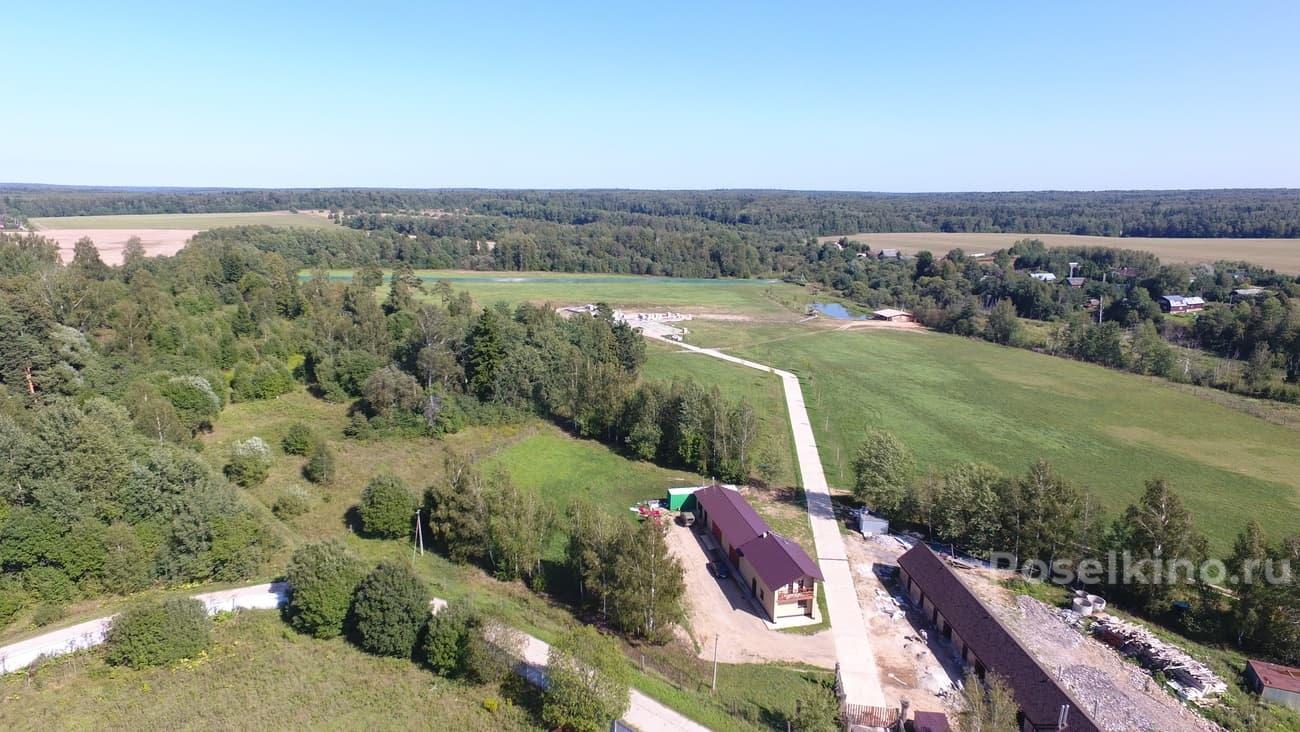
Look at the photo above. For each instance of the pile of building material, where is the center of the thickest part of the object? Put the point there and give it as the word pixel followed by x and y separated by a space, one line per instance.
pixel 1190 678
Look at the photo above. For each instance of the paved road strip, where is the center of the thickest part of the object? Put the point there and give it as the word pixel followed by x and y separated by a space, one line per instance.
pixel 859 676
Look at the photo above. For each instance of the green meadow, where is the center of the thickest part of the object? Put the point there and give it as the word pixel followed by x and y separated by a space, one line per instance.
pixel 955 399
pixel 755 298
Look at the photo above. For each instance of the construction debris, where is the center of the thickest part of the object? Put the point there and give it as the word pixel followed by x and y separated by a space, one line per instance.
pixel 1189 678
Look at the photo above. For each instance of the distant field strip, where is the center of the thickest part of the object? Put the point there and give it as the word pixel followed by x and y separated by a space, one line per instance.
pixel 197 221
pixel 1279 254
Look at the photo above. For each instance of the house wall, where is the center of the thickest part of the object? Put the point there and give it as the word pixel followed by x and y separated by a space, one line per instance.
pixel 765 596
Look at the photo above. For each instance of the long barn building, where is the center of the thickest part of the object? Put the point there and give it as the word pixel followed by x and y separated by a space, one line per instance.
pixel 985 644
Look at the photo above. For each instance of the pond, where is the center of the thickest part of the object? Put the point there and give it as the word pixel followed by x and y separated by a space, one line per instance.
pixel 835 311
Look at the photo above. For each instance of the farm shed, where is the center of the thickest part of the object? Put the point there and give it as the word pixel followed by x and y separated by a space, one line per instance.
pixel 1181 304
pixel 1043 276
pixel 982 641
pixel 1075 282
pixel 775 570
pixel 1274 683
pixel 871 525
pixel 892 315
pixel 682 499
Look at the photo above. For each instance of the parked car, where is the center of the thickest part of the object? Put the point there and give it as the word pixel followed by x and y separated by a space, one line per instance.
pixel 719 570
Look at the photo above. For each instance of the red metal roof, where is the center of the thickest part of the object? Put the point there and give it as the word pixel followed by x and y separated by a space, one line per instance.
pixel 930 722
pixel 1037 693
pixel 736 519
pixel 778 560
pixel 1275 676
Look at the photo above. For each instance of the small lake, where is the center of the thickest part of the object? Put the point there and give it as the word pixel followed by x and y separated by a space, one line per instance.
pixel 835 311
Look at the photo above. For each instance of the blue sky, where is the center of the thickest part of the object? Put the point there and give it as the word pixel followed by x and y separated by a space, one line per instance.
pixel 899 96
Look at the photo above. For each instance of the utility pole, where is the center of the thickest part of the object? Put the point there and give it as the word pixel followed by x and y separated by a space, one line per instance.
pixel 715 664
pixel 419 534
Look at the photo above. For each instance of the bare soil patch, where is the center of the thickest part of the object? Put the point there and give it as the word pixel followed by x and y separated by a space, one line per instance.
pixel 112 242
pixel 919 669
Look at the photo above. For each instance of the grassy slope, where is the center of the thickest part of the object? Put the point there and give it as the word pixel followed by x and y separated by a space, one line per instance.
pixel 535 455
pixel 258 675
pixel 954 399
pixel 182 221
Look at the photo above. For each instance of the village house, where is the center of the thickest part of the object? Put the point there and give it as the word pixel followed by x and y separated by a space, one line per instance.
pixel 1274 683
pixel 892 315
pixel 1075 282
pixel 985 644
pixel 778 573
pixel 1043 276
pixel 1181 304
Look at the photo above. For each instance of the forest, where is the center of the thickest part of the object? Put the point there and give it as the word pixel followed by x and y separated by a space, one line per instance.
pixel 765 215
pixel 108 375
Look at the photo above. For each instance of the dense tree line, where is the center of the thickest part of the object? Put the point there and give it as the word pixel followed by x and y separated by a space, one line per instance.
pixel 106 376
pixel 1221 213
pixel 1050 527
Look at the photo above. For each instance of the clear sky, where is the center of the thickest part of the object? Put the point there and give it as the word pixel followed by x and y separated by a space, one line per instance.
pixel 882 96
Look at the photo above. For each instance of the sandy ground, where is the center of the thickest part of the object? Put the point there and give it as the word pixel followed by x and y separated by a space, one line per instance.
pixel 1120 696
pixel 111 242
pixel 924 673
pixel 1280 254
pixel 719 608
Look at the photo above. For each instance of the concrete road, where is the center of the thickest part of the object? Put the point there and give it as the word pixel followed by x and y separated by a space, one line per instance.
pixel 859 676
pixel 22 654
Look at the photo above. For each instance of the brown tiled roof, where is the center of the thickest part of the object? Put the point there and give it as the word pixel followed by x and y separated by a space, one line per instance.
pixel 1277 677
pixel 1038 695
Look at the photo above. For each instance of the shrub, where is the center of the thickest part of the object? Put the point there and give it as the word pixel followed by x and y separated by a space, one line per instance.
pixel 320 466
pixel 322 578
pixel 292 503
pixel 12 599
pixel 49 585
pixel 47 613
pixel 158 633
pixel 460 642
pixel 387 508
pixel 446 639
pixel 389 609
pixel 250 462
pixel 297 440
pixel 266 380
pixel 589 682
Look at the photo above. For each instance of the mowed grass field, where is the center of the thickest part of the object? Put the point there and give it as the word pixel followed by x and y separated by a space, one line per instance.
pixel 1282 255
pixel 196 221
pixel 953 399
pixel 765 299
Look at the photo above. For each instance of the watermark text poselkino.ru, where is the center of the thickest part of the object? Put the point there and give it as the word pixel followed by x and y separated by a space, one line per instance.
pixel 1122 568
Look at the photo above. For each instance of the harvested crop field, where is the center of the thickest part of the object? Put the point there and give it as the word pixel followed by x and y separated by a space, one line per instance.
pixel 1279 254
pixel 112 242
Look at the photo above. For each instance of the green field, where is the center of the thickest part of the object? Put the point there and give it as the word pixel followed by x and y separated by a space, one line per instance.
pixel 954 399
pixel 181 221
pixel 766 299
